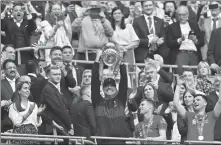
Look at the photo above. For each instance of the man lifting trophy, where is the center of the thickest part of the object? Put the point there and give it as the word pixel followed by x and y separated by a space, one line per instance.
pixel 111 57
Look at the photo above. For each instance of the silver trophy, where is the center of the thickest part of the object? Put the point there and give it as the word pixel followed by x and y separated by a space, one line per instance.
pixel 111 57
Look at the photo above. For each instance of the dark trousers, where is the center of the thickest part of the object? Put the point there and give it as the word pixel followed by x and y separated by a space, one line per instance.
pixel 6 124
pixel 186 58
pixel 82 56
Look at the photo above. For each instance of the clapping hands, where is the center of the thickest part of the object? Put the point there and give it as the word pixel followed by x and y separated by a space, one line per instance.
pixel 6 103
pixel 71 8
pixel 41 109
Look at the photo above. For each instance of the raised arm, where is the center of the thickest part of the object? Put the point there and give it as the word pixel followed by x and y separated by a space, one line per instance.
pixel 31 23
pixel 179 107
pixel 89 111
pixel 123 84
pixel 217 108
pixel 165 92
pixel 76 25
pixel 168 77
pixel 95 82
pixel 135 99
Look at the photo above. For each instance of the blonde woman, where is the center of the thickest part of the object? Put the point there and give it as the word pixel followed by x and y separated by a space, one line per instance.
pixel 203 81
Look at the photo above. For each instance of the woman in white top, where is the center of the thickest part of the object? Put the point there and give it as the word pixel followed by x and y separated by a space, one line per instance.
pixel 56 28
pixel 124 37
pixel 24 114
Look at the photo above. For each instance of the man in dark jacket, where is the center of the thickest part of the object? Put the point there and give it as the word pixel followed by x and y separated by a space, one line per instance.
pixel 82 114
pixel 185 39
pixel 109 111
pixel 18 30
pixel 213 98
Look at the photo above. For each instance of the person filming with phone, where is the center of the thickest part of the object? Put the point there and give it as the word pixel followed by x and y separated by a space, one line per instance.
pixel 94 31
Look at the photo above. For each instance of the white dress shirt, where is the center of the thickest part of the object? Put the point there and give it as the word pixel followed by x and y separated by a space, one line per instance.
pixel 12 83
pixel 187 44
pixel 217 21
pixel 217 93
pixel 17 117
pixel 29 17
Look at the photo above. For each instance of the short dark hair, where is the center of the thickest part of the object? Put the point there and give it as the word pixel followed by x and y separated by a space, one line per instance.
pixel 150 101
pixel 164 5
pixel 32 66
pixel 6 46
pixel 18 3
pixel 201 95
pixel 55 48
pixel 66 47
pixel 48 70
pixel 142 2
pixel 7 61
pixel 132 3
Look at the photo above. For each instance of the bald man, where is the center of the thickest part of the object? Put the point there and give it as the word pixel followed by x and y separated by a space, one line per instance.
pixel 185 39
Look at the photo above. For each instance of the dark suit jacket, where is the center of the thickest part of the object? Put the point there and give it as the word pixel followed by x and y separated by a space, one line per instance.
pixel 11 30
pixel 212 100
pixel 37 88
pixel 79 71
pixel 164 92
pixel 214 50
pixel 174 32
pixel 56 108
pixel 6 90
pixel 166 77
pixel 22 69
pixel 141 29
pixel 6 94
pixel 83 118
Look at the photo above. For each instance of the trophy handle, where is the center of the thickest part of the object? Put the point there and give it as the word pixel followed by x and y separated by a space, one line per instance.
pixel 101 67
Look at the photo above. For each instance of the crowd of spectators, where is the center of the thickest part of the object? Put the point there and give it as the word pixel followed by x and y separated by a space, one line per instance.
pixel 48 90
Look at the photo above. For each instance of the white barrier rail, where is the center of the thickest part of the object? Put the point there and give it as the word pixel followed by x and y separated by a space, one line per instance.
pixel 86 61
pixel 146 140
pixel 48 138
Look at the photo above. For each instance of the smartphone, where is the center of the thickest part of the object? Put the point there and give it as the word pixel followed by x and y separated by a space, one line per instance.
pixel 60 17
pixel 94 13
pixel 168 13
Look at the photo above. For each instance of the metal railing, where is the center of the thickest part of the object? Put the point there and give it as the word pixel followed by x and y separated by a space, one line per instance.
pixel 134 81
pixel 134 140
pixel 82 140
pixel 87 61
pixel 45 138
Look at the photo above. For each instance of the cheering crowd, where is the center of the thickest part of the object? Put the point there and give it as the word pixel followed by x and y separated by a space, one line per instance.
pixel 49 91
